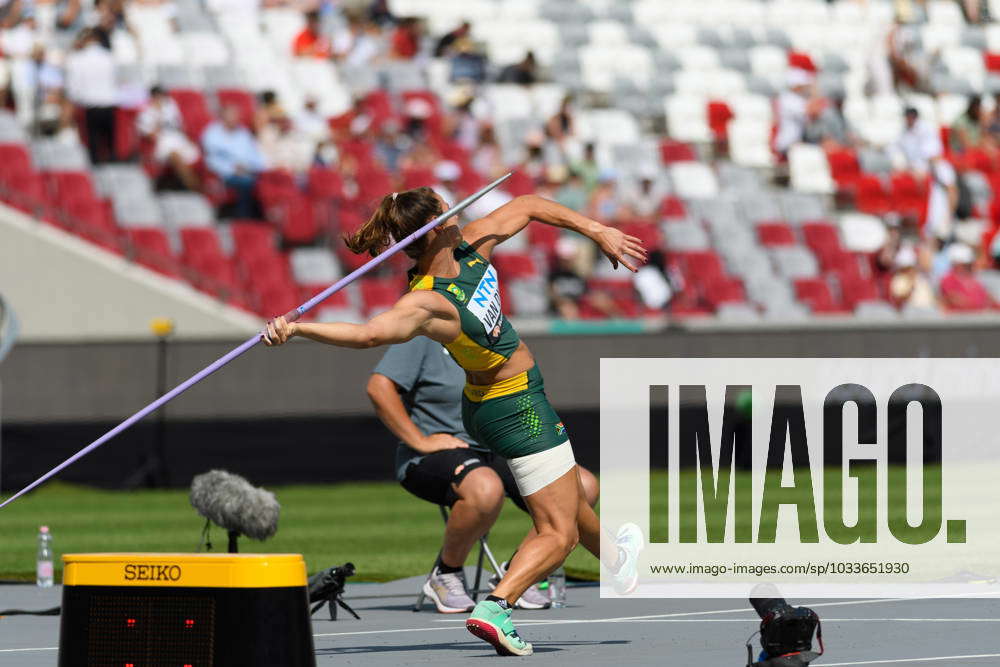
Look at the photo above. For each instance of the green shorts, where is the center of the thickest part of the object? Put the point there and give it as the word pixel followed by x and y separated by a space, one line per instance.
pixel 512 417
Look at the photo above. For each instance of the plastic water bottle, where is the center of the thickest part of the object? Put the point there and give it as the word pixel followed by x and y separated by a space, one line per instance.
pixel 557 588
pixel 43 567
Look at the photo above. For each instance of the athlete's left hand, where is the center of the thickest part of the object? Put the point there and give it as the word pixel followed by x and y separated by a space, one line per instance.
pixel 619 247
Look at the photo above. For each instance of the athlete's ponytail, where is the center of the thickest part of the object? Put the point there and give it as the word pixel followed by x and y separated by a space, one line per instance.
pixel 398 215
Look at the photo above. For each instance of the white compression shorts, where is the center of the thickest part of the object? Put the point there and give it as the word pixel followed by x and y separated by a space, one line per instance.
pixel 536 471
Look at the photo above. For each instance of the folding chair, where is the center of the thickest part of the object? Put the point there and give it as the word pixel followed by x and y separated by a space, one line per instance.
pixel 484 553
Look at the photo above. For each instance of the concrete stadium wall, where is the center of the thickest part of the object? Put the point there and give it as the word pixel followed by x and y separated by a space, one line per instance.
pixel 299 413
pixel 65 289
pixel 52 382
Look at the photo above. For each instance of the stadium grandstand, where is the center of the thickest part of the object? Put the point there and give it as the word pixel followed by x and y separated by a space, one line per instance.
pixel 788 159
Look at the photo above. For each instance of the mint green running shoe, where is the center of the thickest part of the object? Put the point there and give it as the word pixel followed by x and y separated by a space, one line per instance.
pixel 491 623
pixel 631 542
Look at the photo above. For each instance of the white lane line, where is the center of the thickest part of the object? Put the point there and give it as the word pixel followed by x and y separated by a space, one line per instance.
pixel 384 632
pixel 942 658
pixel 15 650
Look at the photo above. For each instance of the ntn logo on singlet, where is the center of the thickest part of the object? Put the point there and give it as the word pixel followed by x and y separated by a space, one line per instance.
pixel 485 302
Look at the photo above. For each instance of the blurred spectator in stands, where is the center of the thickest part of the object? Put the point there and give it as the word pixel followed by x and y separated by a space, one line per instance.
pixel 41 76
pixel 568 285
pixel 361 44
pixel 919 148
pixel 827 125
pixel 967 130
pixel 561 126
pixel 794 107
pixel 161 123
pixel 405 40
pixel 909 63
pixel 468 64
pixel 448 44
pixel 269 110
pixel 416 112
pixel 56 117
pixel 488 157
pixel 641 198
pixel 572 194
pixel 960 289
pixel 90 83
pixel 311 42
pixel 603 204
pixel 524 72
pixel 462 124
pixel 391 145
pixel 11 12
pixel 285 148
pixel 976 11
pixel 310 123
pixel 652 283
pixel 587 167
pixel 232 154
pixel 447 173
pixel 910 285
pixel 379 12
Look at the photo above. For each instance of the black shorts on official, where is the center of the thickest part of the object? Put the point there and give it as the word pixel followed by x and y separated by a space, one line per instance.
pixel 431 476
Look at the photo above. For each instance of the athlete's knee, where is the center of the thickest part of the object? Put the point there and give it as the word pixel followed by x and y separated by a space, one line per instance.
pixel 591 487
pixel 482 489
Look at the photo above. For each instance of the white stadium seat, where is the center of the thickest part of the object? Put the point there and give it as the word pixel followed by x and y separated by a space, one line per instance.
pixel 693 180
pixel 687 119
pixel 861 232
pixel 809 169
pixel 750 143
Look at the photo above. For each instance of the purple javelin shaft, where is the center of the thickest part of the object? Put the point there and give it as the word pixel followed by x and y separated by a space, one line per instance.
pixel 256 338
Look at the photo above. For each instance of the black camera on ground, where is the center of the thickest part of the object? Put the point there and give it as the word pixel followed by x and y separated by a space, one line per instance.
pixel 327 587
pixel 786 634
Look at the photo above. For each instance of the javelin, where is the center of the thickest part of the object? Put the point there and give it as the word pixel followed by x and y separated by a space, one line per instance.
pixel 291 316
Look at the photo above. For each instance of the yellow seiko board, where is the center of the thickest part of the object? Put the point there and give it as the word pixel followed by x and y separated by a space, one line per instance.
pixel 185 610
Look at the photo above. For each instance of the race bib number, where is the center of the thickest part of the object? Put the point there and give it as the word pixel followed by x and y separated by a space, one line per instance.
pixel 485 303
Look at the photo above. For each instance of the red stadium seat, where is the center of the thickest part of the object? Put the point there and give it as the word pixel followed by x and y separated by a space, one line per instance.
pixel 252 239
pixel 379 294
pixel 775 234
pixel 991 61
pixel 648 233
pixel 543 236
pixel 126 134
pixel 725 290
pixel 152 249
pixel 816 293
pixel 325 183
pixel 676 151
pixel 844 167
pixel 296 219
pixel 69 185
pixel 194 111
pixel 514 265
pixel 702 266
pixel 854 291
pixel 519 183
pixel 672 207
pixel 871 197
pixel 241 99
pixel 14 158
pixel 416 177
pixel 909 196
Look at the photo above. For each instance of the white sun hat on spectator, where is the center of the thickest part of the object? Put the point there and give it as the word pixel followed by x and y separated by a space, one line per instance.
pixel 447 170
pixel 959 253
pixel 799 77
pixel 906 257
pixel 418 107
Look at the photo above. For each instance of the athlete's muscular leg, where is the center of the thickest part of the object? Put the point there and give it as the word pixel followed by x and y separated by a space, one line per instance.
pixel 480 497
pixel 593 539
pixel 554 510
pixel 590 491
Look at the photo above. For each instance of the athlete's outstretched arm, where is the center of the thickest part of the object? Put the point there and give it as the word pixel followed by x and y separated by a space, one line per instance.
pixel 409 317
pixel 484 234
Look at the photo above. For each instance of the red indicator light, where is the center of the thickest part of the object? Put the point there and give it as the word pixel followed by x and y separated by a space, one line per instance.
pixel 130 622
pixel 189 623
pixel 129 664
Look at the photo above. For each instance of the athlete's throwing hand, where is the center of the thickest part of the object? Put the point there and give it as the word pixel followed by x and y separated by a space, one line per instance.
pixel 621 248
pixel 278 331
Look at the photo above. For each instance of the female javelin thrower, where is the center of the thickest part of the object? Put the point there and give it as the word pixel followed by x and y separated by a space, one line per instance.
pixel 454 298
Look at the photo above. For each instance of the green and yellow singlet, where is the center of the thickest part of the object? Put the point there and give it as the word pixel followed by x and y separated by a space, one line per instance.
pixel 487 338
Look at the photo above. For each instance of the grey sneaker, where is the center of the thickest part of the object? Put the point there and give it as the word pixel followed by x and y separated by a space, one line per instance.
pixel 533 598
pixel 448 592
